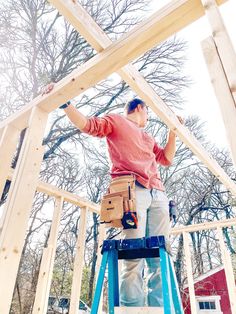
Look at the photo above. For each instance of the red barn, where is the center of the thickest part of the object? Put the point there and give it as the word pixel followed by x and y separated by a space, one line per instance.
pixel 211 293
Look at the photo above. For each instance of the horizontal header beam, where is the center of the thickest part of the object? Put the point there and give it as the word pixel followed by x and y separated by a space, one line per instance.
pixel 71 198
pixel 204 226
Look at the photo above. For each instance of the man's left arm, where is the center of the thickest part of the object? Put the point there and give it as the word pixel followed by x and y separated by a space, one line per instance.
pixel 166 155
pixel 170 147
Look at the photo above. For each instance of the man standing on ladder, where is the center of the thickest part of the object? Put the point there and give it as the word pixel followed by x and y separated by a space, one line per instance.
pixel 133 151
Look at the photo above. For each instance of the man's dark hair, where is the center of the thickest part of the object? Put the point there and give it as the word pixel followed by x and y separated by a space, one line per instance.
pixel 132 105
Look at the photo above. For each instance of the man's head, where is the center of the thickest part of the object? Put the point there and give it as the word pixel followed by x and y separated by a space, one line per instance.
pixel 136 110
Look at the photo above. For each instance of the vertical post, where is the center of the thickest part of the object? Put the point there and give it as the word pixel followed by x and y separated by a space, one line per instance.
pixel 47 262
pixel 223 43
pixel 222 91
pixel 228 271
pixel 18 205
pixel 8 143
pixel 78 263
pixel 189 273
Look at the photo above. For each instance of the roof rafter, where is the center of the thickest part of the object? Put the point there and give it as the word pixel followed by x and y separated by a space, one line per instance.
pixel 96 37
pixel 159 27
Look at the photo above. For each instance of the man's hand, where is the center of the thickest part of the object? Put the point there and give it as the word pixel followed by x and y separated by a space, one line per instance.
pixel 47 89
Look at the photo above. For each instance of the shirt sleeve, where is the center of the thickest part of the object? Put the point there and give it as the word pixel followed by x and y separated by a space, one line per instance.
pixel 99 127
pixel 160 156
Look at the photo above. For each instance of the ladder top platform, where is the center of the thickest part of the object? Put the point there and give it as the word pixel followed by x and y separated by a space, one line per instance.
pixel 135 248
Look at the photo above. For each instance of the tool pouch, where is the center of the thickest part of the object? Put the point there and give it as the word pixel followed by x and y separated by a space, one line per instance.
pixel 118 205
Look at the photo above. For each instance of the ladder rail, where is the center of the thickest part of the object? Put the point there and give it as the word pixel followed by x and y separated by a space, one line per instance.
pixel 113 250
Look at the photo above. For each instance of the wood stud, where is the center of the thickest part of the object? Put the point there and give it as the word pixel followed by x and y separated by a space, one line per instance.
pixel 19 203
pixel 8 143
pixel 78 263
pixel 47 262
pixel 229 273
pixel 189 269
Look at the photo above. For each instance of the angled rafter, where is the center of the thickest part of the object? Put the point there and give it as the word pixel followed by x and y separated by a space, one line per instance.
pixel 162 24
pixel 85 25
pixel 169 20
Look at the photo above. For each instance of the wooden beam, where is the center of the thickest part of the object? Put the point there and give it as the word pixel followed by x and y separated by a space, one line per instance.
pixel 189 269
pixel 8 143
pixel 85 25
pixel 204 226
pixel 47 263
pixel 229 273
pixel 222 91
pixel 172 17
pixel 169 20
pixel 78 263
pixel 18 205
pixel 69 197
pixel 223 43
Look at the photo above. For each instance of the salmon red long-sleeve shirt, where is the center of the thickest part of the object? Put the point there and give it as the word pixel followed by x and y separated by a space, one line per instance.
pixel 131 149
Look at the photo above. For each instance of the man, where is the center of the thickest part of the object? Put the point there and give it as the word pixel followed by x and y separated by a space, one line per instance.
pixel 133 151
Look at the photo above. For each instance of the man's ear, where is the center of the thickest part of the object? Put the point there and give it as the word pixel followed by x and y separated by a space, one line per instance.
pixel 139 108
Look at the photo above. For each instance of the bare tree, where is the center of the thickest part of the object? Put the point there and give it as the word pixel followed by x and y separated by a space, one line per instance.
pixel 38 46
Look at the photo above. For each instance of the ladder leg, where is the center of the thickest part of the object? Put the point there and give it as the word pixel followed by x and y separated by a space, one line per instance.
pixel 98 290
pixel 165 278
pixel 113 281
pixel 175 289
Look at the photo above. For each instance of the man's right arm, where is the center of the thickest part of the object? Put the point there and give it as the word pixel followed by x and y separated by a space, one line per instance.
pixel 94 126
pixel 76 117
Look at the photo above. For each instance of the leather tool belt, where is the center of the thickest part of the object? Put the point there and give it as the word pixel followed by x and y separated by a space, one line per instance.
pixel 118 208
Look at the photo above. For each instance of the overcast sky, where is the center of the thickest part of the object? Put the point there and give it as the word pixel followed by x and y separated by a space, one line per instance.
pixel 200 98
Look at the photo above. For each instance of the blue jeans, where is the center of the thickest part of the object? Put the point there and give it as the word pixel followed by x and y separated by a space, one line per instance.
pixel 153 220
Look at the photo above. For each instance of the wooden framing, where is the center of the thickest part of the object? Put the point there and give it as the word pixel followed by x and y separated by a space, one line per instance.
pixel 223 43
pixel 19 204
pixel 78 263
pixel 204 226
pixel 189 273
pixel 47 262
pixel 71 198
pixel 111 57
pixel 222 91
pixel 86 26
pixel 160 26
pixel 228 271
pixel 8 142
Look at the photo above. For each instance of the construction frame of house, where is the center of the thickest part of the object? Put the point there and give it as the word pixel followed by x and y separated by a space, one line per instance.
pixel 111 57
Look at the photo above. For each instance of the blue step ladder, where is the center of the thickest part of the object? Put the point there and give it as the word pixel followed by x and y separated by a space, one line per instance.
pixel 113 250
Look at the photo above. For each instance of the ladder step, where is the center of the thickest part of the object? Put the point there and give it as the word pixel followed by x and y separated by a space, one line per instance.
pixel 138 310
